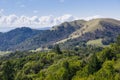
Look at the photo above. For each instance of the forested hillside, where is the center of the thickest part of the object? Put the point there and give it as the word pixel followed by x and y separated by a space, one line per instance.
pixel 67 34
pixel 16 36
pixel 81 63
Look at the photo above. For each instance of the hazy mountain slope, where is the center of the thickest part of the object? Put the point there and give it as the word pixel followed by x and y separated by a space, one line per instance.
pixel 75 32
pixel 50 36
pixel 69 33
pixel 16 36
pixel 105 29
pixel 96 24
pixel 0 33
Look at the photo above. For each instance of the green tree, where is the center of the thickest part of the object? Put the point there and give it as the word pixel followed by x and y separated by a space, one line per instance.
pixel 107 72
pixel 107 54
pixel 57 49
pixel 118 40
pixel 94 64
pixel 8 71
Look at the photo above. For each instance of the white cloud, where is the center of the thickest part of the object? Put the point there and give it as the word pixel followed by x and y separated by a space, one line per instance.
pixel 34 21
pixel 14 21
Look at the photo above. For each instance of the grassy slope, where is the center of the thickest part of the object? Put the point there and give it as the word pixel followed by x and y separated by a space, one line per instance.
pixel 3 53
pixel 97 42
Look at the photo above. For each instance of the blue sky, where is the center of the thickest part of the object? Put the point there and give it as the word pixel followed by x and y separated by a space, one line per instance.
pixel 81 8
pixel 55 10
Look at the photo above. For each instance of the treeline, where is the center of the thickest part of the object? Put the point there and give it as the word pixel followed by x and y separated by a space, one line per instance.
pixel 88 63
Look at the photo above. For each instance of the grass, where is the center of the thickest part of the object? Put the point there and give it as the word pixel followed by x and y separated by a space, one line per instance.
pixel 4 52
pixel 97 42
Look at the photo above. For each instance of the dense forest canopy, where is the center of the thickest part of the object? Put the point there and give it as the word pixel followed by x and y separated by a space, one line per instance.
pixel 81 63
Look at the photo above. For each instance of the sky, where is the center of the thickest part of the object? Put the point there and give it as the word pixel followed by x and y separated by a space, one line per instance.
pixel 47 13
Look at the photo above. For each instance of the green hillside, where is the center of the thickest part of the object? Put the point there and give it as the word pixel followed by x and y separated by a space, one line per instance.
pixel 68 34
pixel 88 63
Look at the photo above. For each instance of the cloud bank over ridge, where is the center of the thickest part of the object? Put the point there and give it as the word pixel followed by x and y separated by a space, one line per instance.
pixel 13 21
pixel 34 21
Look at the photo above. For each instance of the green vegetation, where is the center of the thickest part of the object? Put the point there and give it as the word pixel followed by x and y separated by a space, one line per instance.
pixel 97 42
pixel 4 53
pixel 57 49
pixel 98 32
pixel 88 63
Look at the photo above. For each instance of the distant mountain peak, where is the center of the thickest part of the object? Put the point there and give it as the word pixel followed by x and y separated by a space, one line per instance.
pixel 25 38
pixel 92 26
pixel 76 24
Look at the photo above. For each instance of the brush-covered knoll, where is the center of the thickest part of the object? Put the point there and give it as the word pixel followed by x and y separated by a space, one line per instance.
pixel 75 24
pixel 16 36
pixel 26 38
pixel 69 33
pixel 101 24
pixel 57 33
pixel 103 28
pixel 76 31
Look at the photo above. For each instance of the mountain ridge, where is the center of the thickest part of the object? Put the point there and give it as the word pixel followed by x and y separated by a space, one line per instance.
pixel 106 29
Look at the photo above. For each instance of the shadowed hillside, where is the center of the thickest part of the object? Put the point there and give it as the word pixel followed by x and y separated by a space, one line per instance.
pixel 68 33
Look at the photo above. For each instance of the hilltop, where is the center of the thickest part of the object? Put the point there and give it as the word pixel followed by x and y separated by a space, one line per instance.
pixel 68 33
